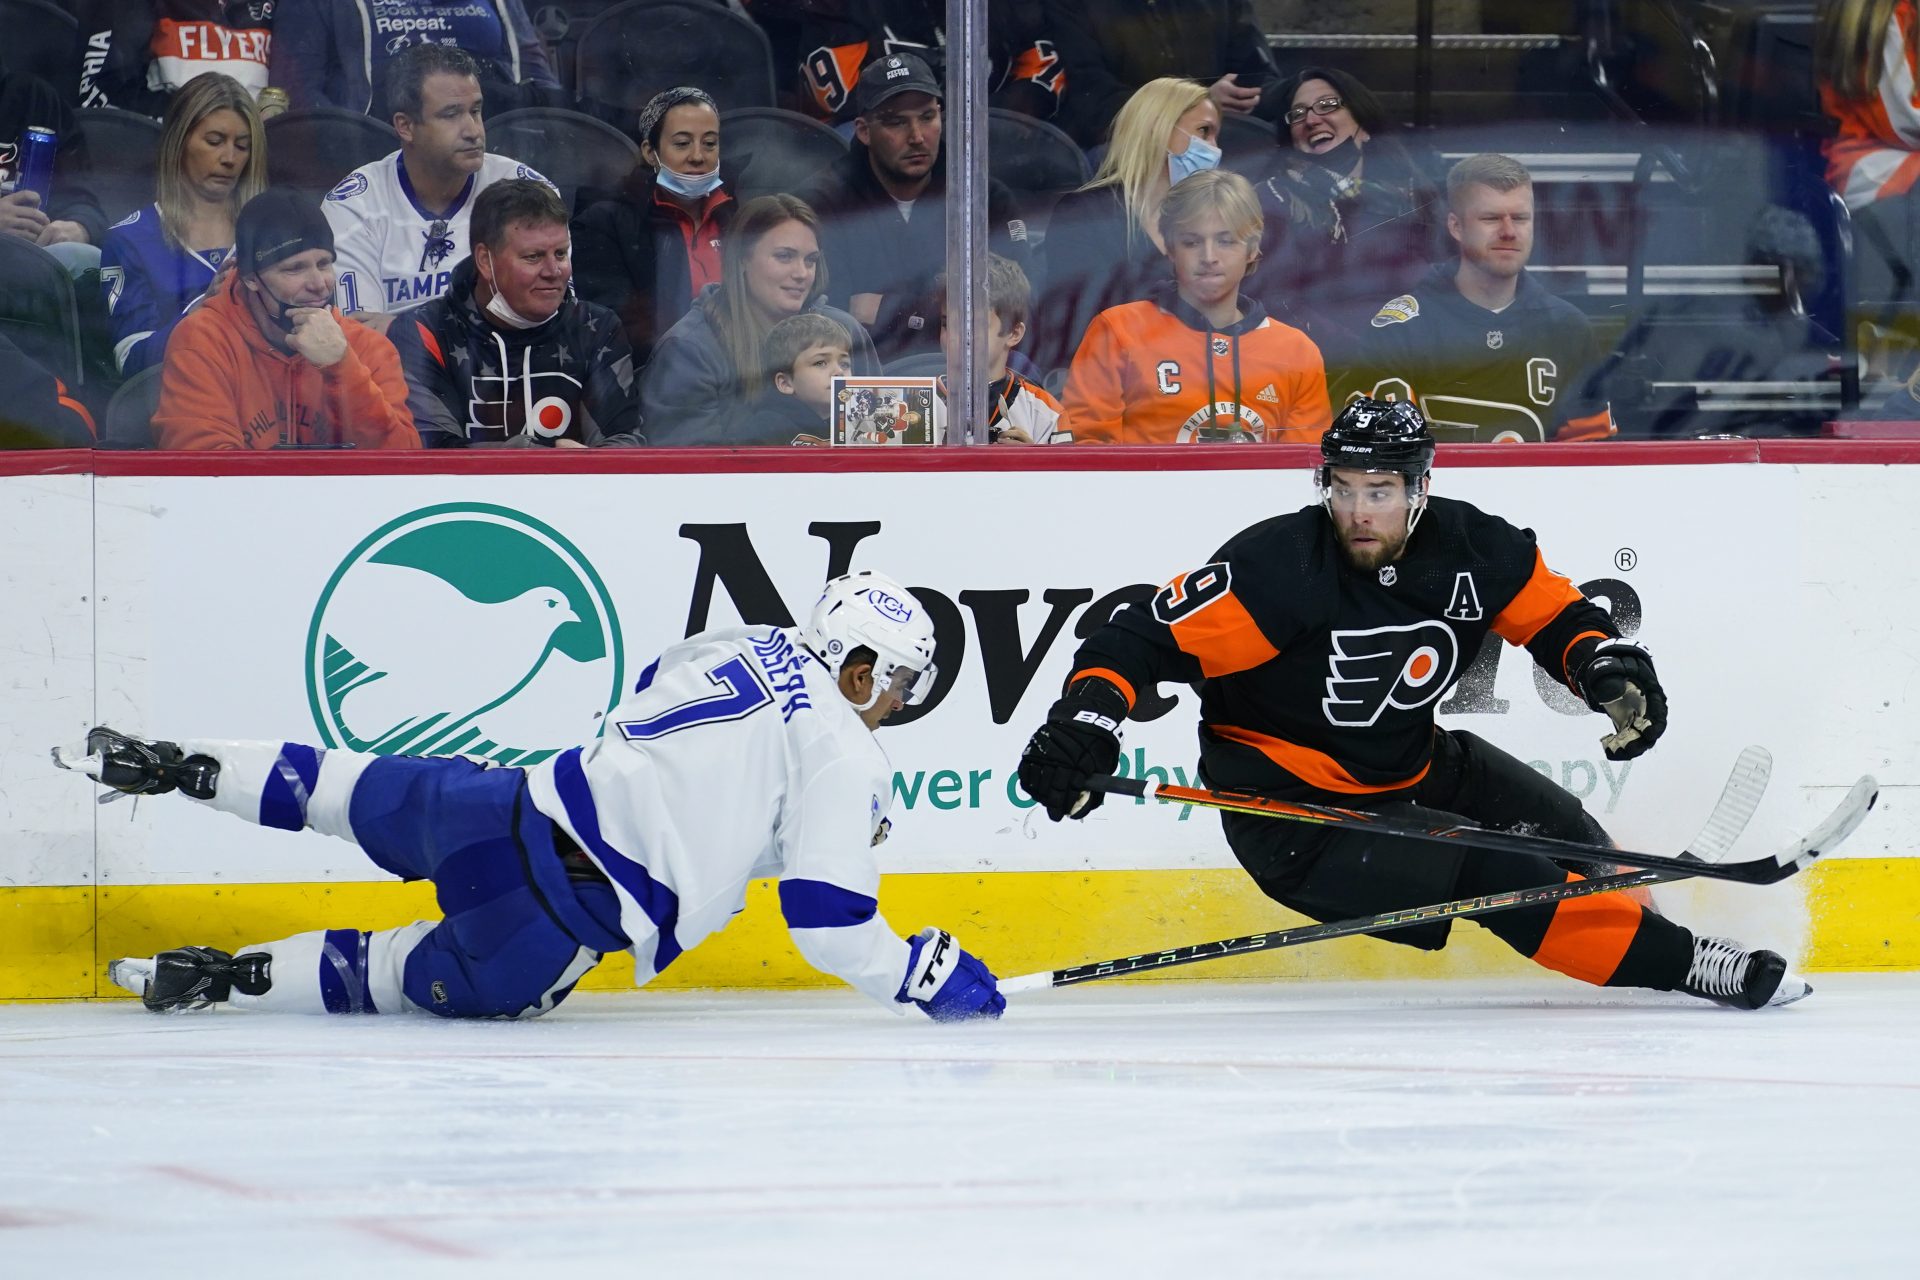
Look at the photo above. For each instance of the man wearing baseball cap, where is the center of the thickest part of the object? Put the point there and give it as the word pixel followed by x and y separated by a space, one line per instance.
pixel 268 362
pixel 883 209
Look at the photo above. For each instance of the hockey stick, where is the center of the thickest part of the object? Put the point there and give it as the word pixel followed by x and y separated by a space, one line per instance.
pixel 1738 800
pixel 1767 870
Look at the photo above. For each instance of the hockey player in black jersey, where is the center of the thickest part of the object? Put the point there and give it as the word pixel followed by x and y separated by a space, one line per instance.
pixel 1320 642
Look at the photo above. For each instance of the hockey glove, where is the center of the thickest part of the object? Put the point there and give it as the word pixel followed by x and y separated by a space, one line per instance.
pixel 946 982
pixel 1080 740
pixel 1619 679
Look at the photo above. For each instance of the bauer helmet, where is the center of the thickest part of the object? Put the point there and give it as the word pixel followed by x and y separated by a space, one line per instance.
pixel 1379 435
pixel 870 610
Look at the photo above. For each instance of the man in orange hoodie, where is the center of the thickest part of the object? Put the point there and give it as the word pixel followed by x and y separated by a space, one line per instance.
pixel 269 362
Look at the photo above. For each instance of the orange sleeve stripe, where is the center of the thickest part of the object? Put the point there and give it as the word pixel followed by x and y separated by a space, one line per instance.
pixel 1589 937
pixel 1595 426
pixel 65 397
pixel 1111 677
pixel 1568 652
pixel 1223 637
pixel 1536 604
pixel 1315 768
pixel 431 343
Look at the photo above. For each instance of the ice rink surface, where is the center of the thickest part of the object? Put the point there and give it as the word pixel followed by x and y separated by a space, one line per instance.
pixel 1165 1130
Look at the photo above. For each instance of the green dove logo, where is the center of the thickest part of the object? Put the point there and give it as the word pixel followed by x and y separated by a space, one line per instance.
pixel 463 629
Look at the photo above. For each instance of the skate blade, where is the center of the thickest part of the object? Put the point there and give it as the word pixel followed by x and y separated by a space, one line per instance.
pixel 1793 988
pixel 131 974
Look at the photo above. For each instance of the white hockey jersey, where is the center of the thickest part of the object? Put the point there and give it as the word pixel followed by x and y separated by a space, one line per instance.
pixel 390 253
pixel 735 759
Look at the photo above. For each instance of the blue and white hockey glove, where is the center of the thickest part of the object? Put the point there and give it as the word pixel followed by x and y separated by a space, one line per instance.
pixel 946 982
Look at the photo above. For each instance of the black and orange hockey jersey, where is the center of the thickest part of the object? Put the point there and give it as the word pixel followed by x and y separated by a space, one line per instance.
pixel 837 40
pixel 1156 372
pixel 1515 375
pixel 1312 671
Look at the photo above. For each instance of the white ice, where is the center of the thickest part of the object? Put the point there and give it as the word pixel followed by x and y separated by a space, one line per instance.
pixel 1156 1130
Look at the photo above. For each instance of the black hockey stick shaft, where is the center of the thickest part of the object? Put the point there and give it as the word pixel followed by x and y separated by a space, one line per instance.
pixel 1755 871
pixel 1273 940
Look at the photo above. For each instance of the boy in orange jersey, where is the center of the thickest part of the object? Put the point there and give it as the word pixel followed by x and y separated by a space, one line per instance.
pixel 1321 643
pixel 1199 361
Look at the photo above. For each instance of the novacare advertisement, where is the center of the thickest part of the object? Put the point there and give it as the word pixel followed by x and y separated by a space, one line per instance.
pixel 502 616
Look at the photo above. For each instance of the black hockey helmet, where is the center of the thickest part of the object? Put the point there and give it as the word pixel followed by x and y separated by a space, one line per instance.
pixel 1379 435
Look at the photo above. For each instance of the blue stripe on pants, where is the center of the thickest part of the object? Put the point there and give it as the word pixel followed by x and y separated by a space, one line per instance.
pixel 660 903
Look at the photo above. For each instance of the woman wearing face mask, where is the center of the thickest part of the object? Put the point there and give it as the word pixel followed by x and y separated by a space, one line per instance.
pixel 1349 212
pixel 1103 241
pixel 708 369
pixel 647 250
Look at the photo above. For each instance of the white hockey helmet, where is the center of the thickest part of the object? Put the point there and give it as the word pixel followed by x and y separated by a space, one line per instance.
pixel 870 610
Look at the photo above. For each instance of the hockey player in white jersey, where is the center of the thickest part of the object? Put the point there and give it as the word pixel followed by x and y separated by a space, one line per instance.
pixel 742 753
pixel 400 223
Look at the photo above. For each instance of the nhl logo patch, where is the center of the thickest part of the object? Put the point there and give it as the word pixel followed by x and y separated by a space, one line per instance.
pixel 1398 311
pixel 1220 346
pixel 1495 339
pixel 1389 576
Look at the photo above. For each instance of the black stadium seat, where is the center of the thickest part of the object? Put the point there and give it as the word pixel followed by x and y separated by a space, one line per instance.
pixel 634 50
pixel 37 308
pixel 1768 76
pixel 313 150
pixel 122 147
pixel 571 150
pixel 41 40
pixel 1246 145
pixel 129 419
pixel 778 150
pixel 1031 156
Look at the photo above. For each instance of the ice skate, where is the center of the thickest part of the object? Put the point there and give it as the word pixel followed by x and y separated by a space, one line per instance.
pixel 1726 973
pixel 138 767
pixel 190 978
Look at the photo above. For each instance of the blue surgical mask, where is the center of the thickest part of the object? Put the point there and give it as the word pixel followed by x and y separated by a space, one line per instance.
pixel 1199 156
pixel 694 186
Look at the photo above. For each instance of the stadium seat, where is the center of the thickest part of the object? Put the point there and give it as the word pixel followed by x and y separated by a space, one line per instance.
pixel 776 150
pixel 1247 145
pixel 571 150
pixel 37 308
pixel 923 364
pixel 42 38
pixel 129 419
pixel 1768 82
pixel 634 50
pixel 1031 156
pixel 313 150
pixel 122 147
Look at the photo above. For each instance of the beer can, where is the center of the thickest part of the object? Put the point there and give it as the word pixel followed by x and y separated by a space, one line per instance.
pixel 37 144
pixel 273 101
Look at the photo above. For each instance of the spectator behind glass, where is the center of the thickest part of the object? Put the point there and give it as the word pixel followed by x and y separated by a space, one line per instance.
pixel 1200 361
pixel 804 354
pixel 1103 241
pixel 1349 214
pixel 135 54
pixel 648 250
pixel 1024 73
pixel 1866 63
pixel 335 53
pixel 507 356
pixel 161 260
pixel 1481 346
pixel 268 362
pixel 1113 48
pixel 401 222
pixel 72 215
pixel 1019 410
pixel 36 409
pixel 707 370
pixel 883 208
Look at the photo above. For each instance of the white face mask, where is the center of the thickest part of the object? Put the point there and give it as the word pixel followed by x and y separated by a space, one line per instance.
pixel 498 309
pixel 694 186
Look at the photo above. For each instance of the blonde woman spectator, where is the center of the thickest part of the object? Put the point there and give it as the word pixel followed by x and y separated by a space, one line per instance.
pixel 1103 241
pixel 158 262
pixel 1865 61
pixel 709 369
pixel 1199 361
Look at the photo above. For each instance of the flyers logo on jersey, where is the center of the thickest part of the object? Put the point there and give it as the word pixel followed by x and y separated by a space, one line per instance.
pixel 1400 667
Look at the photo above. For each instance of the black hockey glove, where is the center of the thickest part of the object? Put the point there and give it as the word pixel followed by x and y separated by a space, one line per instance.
pixel 1080 740
pixel 1619 679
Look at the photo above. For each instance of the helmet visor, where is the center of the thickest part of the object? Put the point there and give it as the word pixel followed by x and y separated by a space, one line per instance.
pixel 912 686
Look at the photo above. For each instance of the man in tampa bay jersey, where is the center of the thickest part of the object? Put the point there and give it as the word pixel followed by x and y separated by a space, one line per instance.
pixel 400 223
pixel 1320 642
pixel 1481 346
pixel 742 753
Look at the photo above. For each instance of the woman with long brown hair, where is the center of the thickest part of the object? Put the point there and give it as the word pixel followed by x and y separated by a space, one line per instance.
pixel 161 260
pixel 709 368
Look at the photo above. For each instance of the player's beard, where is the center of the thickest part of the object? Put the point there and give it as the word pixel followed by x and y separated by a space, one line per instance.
pixel 1384 550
